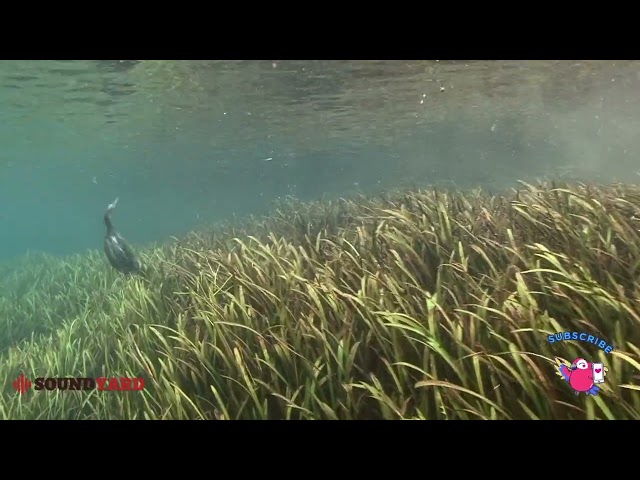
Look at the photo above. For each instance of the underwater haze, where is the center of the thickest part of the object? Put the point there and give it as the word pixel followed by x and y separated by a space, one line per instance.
pixel 186 143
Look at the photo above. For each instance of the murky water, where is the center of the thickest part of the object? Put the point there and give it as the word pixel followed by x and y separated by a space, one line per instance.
pixel 184 142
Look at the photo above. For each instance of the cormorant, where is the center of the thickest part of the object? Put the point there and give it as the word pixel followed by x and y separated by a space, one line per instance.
pixel 119 254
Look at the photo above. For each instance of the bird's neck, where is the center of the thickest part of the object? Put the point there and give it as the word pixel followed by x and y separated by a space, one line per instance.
pixel 107 222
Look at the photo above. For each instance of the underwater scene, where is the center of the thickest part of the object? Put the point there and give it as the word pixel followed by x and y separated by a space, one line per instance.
pixel 319 240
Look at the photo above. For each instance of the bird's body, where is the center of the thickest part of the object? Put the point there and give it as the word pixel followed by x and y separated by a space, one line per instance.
pixel 119 254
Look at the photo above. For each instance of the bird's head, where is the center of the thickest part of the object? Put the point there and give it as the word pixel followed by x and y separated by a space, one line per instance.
pixel 113 205
pixel 579 364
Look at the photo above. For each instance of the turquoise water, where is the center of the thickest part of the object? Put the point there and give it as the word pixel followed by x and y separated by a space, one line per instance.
pixel 185 143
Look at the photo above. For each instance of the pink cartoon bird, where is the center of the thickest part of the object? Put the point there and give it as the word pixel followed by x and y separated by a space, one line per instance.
pixel 579 375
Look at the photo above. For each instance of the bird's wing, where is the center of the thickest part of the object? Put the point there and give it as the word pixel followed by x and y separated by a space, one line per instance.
pixel 562 368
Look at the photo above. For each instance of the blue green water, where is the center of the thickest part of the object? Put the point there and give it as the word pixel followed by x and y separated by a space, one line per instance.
pixel 190 143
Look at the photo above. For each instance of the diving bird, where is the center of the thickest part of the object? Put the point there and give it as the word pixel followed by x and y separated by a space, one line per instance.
pixel 119 254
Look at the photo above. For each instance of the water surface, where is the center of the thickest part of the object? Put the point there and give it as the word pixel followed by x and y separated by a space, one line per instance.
pixel 190 142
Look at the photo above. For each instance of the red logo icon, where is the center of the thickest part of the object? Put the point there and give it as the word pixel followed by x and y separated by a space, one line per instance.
pixel 22 384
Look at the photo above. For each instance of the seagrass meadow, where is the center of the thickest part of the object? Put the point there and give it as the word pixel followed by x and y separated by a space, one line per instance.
pixel 419 304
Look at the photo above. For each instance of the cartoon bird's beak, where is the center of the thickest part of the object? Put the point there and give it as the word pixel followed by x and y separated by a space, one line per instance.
pixel 574 366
